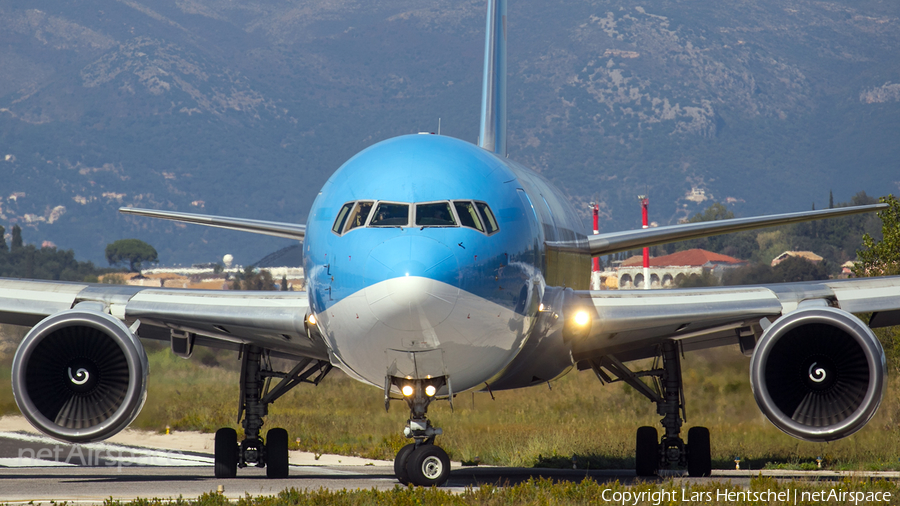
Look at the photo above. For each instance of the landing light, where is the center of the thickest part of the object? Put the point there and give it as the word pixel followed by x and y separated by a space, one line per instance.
pixel 407 390
pixel 430 390
pixel 582 318
pixel 311 319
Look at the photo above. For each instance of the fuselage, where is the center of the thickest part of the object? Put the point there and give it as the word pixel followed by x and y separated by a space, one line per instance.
pixel 425 257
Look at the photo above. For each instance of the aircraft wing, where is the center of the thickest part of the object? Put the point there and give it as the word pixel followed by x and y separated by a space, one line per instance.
pixel 630 324
pixel 277 229
pixel 603 244
pixel 218 318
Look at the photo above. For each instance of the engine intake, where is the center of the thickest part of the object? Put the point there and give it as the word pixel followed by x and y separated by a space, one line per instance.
pixel 818 374
pixel 80 376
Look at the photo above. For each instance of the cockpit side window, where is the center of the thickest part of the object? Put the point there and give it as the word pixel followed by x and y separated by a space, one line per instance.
pixel 359 215
pixel 342 218
pixel 436 214
pixel 468 216
pixel 490 222
pixel 390 215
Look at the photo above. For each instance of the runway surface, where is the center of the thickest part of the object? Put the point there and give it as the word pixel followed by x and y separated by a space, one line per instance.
pixel 37 468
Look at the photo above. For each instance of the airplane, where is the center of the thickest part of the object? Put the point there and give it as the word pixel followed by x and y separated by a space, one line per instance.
pixel 435 266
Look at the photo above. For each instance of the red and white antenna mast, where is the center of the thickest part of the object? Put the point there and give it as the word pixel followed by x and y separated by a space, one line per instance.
pixel 595 270
pixel 645 202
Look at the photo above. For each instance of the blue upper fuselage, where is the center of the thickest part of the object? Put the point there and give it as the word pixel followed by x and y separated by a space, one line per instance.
pixel 413 169
pixel 457 297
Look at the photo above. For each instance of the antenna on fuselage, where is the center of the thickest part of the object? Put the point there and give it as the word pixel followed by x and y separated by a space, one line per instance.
pixel 493 92
pixel 439 126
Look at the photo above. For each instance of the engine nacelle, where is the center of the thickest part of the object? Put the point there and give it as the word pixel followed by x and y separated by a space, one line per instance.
pixel 80 376
pixel 818 374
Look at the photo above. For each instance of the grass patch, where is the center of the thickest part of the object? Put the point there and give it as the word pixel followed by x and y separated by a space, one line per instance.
pixel 587 492
pixel 577 419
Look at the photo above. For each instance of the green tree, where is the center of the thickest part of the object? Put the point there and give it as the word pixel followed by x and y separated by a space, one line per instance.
pixel 694 281
pixel 882 258
pixel 717 211
pixel 799 269
pixel 753 274
pixel 253 279
pixel 738 244
pixel 133 251
pixel 16 237
pixel 3 246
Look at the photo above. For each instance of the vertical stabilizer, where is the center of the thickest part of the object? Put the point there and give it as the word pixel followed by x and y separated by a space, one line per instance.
pixel 493 94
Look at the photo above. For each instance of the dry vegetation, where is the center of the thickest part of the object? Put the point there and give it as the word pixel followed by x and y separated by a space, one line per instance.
pixel 587 492
pixel 540 426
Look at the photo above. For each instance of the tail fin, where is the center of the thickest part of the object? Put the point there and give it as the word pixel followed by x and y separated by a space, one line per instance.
pixel 493 95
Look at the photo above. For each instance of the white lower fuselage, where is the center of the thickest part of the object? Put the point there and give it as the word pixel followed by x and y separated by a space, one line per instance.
pixel 427 301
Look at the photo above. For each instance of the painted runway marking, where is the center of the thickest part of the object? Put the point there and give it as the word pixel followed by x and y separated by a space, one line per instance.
pixel 48 452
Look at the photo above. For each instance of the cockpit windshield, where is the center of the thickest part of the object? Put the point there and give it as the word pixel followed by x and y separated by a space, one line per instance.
pixel 391 215
pixel 342 218
pixel 468 216
pixel 437 214
pixel 359 215
pixel 457 213
pixel 490 222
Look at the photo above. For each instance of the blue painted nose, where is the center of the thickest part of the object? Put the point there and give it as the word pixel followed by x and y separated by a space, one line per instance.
pixel 411 283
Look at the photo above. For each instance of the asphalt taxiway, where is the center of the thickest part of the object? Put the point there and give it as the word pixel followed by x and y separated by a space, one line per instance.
pixel 36 468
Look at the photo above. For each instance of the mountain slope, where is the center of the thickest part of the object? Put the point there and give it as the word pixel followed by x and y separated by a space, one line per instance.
pixel 246 108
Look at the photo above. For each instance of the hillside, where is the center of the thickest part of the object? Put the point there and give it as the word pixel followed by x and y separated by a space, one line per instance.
pixel 245 109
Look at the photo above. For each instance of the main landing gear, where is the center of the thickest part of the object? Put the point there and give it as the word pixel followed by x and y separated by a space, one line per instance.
pixel 420 463
pixel 651 453
pixel 255 397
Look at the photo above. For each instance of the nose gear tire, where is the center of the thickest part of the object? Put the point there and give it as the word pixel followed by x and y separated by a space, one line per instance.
pixel 400 463
pixel 428 466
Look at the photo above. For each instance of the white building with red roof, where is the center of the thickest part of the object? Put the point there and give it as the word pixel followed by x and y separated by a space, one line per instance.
pixel 667 271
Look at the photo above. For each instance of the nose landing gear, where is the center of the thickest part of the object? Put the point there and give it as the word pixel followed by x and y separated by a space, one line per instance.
pixel 420 463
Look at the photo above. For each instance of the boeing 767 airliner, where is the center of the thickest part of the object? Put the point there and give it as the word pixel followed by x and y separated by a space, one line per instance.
pixel 434 267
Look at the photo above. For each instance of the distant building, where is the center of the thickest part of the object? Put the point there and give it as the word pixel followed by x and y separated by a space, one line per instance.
pixel 847 269
pixel 808 255
pixel 667 271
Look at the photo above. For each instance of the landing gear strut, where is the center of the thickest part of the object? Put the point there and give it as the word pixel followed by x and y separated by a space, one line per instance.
pixel 651 454
pixel 420 463
pixel 255 397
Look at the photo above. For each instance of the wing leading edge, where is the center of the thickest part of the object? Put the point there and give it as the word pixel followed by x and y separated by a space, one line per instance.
pixel 632 323
pixel 286 230
pixel 221 318
pixel 615 242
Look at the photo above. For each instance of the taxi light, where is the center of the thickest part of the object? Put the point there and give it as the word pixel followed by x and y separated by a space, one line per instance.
pixel 407 390
pixel 582 318
pixel 430 390
pixel 311 319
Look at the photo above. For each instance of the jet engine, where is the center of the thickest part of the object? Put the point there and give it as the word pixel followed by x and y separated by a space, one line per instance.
pixel 818 373
pixel 80 376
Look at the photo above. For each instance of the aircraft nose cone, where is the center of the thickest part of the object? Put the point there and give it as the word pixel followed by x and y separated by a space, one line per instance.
pixel 411 283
